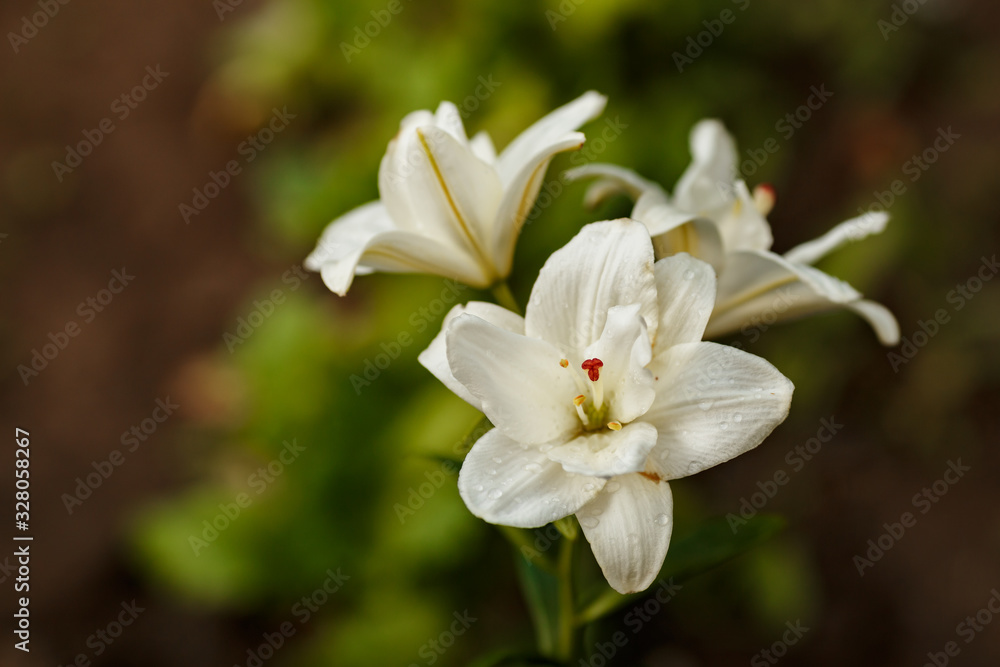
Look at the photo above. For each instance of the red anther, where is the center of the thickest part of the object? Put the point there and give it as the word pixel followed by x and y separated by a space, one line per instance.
pixel 593 368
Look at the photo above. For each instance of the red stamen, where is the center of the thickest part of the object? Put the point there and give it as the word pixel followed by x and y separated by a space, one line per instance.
pixel 593 368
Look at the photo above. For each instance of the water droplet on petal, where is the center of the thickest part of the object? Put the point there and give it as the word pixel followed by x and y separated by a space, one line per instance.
pixel 688 275
pixel 612 486
pixel 479 487
pixel 497 459
pixel 724 425
pixel 737 418
pixel 589 521
pixel 532 467
pixel 546 448
pixel 588 487
pixel 492 471
pixel 705 405
pixel 494 494
pixel 662 519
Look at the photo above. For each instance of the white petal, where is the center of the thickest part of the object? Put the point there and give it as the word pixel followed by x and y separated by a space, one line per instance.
pixel 442 205
pixel 482 147
pixel 519 381
pixel 504 483
pixel 607 453
pixel 685 289
pixel 855 229
pixel 552 129
pixel 743 227
pixel 606 264
pixel 762 287
pixel 698 237
pixel 880 318
pixel 703 189
pixel 471 186
pixel 713 402
pixel 449 119
pixel 365 239
pixel 435 357
pixel 519 198
pixel 629 530
pixel 625 350
pixel 612 180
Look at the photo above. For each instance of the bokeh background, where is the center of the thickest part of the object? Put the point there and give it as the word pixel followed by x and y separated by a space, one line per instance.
pixel 362 451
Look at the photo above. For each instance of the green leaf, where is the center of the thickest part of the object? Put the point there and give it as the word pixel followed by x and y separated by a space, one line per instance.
pixel 541 592
pixel 706 547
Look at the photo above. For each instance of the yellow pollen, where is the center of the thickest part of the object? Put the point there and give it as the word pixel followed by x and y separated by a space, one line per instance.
pixel 579 400
pixel 564 363
pixel 615 426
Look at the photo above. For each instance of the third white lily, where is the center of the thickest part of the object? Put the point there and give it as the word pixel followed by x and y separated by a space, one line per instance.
pixel 714 217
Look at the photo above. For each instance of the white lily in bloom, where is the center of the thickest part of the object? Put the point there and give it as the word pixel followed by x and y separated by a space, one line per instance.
pixel 601 394
pixel 714 217
pixel 449 206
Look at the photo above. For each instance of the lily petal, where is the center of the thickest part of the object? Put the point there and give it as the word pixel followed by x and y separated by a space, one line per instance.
pixel 685 289
pixel 519 381
pixel 855 229
pixel 606 264
pixel 504 483
pixel 607 453
pixel 743 227
pixel 366 239
pixel 713 403
pixel 482 147
pixel 625 350
pixel 519 199
pixel 612 180
pixel 763 283
pixel 435 357
pixel 702 189
pixel 548 131
pixel 628 526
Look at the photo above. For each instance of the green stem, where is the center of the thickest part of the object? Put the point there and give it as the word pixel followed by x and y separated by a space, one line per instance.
pixel 567 615
pixel 608 601
pixel 504 297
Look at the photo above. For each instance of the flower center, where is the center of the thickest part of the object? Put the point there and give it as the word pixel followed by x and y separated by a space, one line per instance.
pixel 589 404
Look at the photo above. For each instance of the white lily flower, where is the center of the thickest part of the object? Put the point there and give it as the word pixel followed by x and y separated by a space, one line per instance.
pixel 601 394
pixel 714 217
pixel 449 206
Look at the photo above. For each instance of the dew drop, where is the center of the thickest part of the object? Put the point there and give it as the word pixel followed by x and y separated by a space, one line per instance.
pixel 479 487
pixel 494 494
pixel 492 471
pixel 737 418
pixel 724 425
pixel 662 519
pixel 612 486
pixel 688 275
pixel 589 521
pixel 588 487
pixel 705 405
pixel 532 467
pixel 497 459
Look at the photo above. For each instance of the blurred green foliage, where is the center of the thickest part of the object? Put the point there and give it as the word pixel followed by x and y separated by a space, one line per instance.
pixel 370 493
